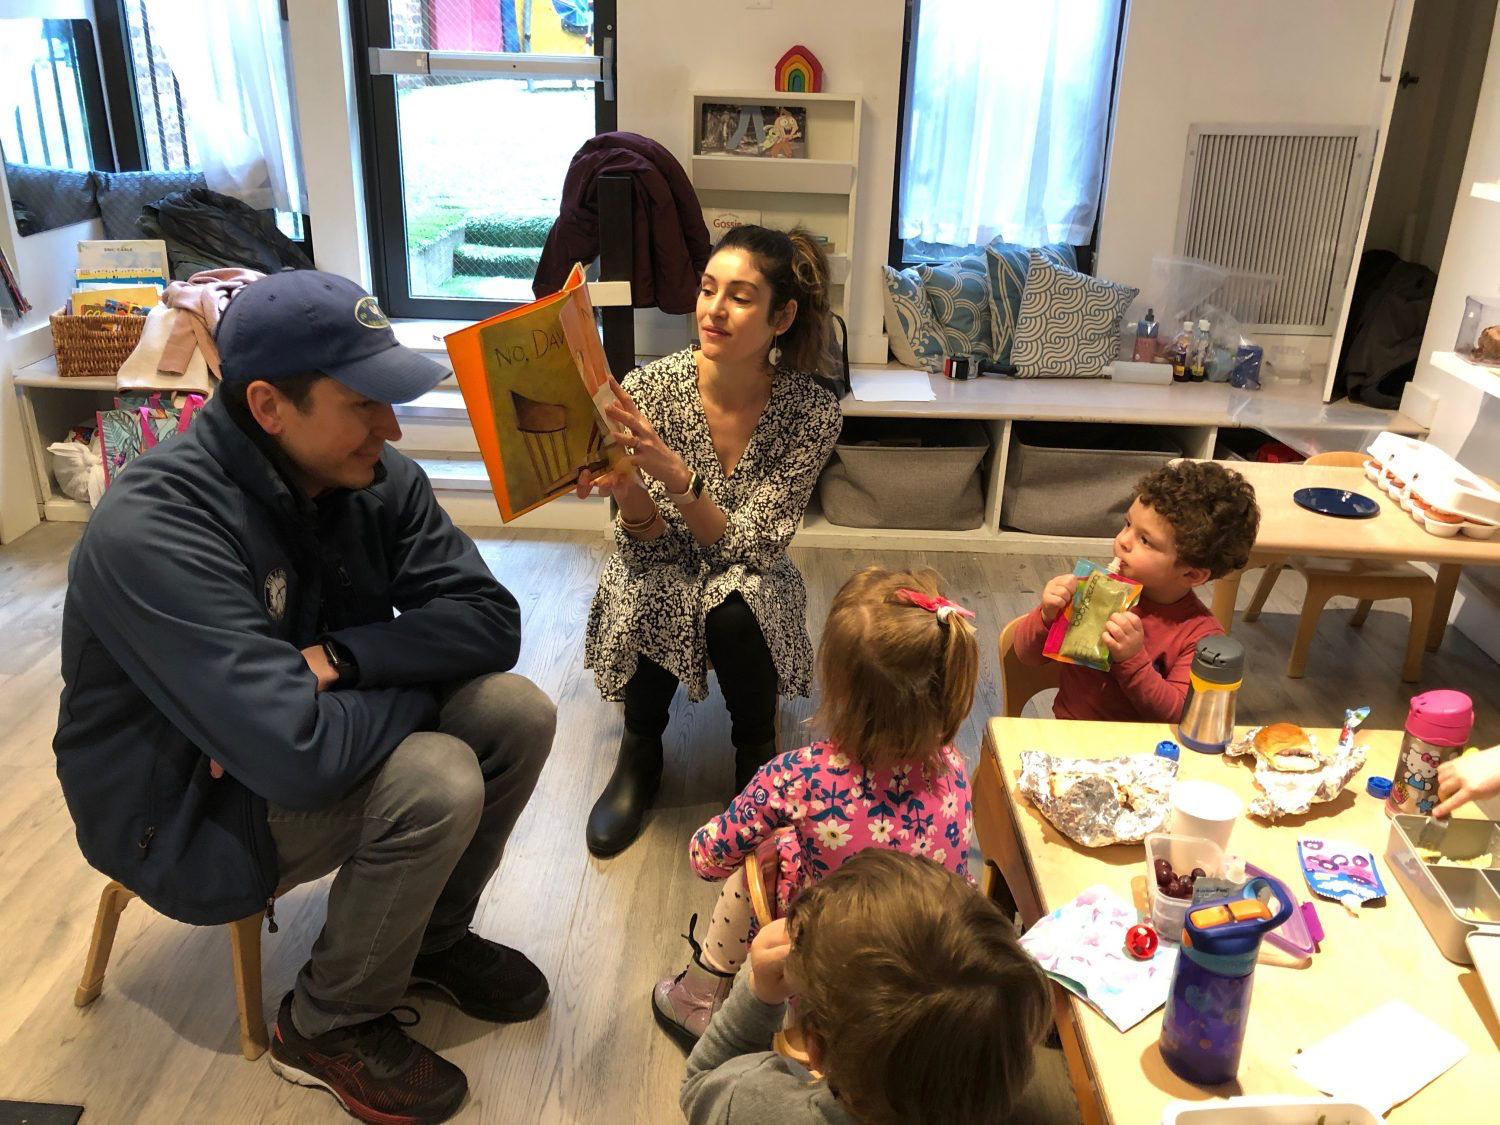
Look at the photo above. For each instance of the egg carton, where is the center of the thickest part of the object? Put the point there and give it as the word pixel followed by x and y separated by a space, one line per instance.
pixel 1443 497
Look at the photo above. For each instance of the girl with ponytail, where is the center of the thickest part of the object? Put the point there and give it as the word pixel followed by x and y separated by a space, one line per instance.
pixel 897 664
pixel 724 443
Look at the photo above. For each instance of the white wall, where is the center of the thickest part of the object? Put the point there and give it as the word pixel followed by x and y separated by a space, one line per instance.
pixel 327 119
pixel 1467 421
pixel 670 48
pixel 1285 62
pixel 44 267
pixel 1429 129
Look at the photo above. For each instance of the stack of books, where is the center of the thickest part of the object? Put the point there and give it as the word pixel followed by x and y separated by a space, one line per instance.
pixel 118 277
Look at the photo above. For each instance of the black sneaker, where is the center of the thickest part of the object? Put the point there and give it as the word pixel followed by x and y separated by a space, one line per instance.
pixel 375 1071
pixel 485 979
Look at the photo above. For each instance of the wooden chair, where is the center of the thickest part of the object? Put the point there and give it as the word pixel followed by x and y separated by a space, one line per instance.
pixel 244 947
pixel 1020 682
pixel 1367 581
pixel 762 872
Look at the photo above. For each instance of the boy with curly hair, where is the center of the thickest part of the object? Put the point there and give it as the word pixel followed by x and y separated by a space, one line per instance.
pixel 914 998
pixel 1190 521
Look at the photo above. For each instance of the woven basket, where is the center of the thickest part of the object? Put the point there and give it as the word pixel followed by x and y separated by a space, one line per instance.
pixel 94 345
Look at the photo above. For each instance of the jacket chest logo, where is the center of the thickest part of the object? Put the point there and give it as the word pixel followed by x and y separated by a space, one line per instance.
pixel 274 593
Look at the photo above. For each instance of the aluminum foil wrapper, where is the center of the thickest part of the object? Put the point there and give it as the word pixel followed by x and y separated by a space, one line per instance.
pixel 1100 801
pixel 1289 794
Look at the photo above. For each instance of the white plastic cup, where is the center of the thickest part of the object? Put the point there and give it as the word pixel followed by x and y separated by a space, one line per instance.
pixel 1204 809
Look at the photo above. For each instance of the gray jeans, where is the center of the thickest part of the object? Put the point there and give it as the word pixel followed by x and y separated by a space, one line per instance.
pixel 415 843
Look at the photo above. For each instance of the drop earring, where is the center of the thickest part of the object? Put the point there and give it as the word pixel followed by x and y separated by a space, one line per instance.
pixel 773 357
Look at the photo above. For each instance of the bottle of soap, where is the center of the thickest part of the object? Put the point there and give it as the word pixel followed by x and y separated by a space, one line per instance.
pixel 1182 345
pixel 1146 331
pixel 1202 350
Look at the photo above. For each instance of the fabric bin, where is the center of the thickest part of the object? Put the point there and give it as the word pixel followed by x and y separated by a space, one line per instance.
pixel 921 474
pixel 1078 478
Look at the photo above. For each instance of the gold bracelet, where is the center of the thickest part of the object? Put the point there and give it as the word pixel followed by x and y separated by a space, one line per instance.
pixel 642 526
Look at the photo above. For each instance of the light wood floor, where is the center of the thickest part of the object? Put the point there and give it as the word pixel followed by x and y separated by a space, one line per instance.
pixel 160 1045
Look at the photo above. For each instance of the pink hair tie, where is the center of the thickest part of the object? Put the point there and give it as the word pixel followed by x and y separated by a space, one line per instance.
pixel 935 604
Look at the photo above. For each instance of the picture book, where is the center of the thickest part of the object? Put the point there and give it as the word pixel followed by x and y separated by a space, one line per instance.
pixel 136 300
pixel 535 380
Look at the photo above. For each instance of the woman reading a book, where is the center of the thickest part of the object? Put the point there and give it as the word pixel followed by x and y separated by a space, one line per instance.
pixel 724 442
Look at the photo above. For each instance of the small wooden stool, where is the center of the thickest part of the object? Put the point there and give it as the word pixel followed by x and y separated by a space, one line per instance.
pixel 244 946
pixel 761 873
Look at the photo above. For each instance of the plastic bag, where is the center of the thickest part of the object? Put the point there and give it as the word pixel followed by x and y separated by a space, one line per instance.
pixel 72 462
pixel 1077 633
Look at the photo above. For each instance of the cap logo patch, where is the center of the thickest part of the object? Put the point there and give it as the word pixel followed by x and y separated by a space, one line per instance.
pixel 368 313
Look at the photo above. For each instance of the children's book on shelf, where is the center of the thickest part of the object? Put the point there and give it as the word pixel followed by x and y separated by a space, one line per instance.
pixel 535 380
pixel 119 275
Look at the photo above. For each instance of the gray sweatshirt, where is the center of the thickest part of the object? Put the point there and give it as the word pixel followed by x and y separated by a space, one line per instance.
pixel 734 1078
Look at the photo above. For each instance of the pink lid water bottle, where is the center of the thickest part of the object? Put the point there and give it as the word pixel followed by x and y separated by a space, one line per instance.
pixel 1437 727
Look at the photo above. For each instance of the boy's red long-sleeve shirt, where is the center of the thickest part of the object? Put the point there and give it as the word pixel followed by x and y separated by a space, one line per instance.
pixel 1151 686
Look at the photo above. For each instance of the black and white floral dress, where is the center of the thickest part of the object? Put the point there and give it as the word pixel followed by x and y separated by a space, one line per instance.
pixel 654 594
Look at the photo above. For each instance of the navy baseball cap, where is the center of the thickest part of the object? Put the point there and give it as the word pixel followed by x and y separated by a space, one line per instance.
pixel 307 320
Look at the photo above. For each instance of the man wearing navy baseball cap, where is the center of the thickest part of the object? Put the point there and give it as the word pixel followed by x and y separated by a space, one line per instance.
pixel 281 659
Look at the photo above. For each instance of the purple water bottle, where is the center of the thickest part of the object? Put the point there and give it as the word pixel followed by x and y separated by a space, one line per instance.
pixel 1203 1030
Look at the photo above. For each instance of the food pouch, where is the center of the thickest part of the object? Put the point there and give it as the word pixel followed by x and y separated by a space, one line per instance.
pixel 1077 633
pixel 1341 871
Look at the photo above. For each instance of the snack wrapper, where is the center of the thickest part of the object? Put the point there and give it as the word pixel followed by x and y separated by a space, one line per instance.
pixel 1081 945
pixel 1341 871
pixel 1290 794
pixel 1076 634
pixel 1100 801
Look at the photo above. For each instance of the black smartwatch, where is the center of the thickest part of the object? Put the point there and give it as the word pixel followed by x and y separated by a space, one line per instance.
pixel 342 662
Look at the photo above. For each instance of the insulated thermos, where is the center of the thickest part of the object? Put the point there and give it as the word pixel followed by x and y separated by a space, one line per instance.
pixel 1437 726
pixel 1203 1031
pixel 1207 723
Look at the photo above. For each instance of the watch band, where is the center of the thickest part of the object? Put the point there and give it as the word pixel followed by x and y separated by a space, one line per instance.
pixel 342 662
pixel 694 490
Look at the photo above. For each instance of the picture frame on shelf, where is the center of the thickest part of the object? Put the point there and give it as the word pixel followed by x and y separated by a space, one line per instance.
pixel 778 131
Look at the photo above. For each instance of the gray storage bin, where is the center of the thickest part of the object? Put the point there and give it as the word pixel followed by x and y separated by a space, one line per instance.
pixel 1076 478
pixel 921 474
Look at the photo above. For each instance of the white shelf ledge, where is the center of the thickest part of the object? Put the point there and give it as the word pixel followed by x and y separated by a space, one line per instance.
pixel 1487 379
pixel 769 173
pixel 1484 190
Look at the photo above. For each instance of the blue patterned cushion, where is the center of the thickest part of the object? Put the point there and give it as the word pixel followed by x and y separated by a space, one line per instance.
pixel 958 292
pixel 1069 325
pixel 913 333
pixel 1006 265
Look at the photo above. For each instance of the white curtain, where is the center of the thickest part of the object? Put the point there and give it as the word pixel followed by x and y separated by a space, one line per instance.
pixel 231 62
pixel 1008 112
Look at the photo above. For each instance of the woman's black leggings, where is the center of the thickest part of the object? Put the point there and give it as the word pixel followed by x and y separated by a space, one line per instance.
pixel 747 677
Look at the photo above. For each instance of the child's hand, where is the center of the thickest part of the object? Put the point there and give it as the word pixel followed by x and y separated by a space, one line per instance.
pixel 768 963
pixel 1462 779
pixel 1123 636
pixel 1056 595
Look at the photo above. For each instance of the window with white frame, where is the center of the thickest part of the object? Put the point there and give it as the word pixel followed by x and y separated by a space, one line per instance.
pixel 1006 125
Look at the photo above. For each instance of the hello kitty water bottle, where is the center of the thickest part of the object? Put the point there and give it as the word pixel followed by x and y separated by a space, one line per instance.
pixel 1437 727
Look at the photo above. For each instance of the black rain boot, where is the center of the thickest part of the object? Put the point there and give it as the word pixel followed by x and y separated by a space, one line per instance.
pixel 615 819
pixel 748 759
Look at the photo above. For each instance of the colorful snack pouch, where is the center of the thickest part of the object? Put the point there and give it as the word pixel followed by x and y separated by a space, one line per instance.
pixel 1341 871
pixel 1077 633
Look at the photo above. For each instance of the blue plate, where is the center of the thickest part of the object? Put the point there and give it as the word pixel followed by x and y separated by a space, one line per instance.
pixel 1336 502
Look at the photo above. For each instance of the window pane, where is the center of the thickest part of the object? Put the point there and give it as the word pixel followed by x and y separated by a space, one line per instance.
pixel 482 167
pixel 164 122
pixel 538 27
pixel 42 123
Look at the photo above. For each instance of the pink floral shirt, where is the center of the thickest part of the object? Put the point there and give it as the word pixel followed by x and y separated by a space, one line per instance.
pixel 837 808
